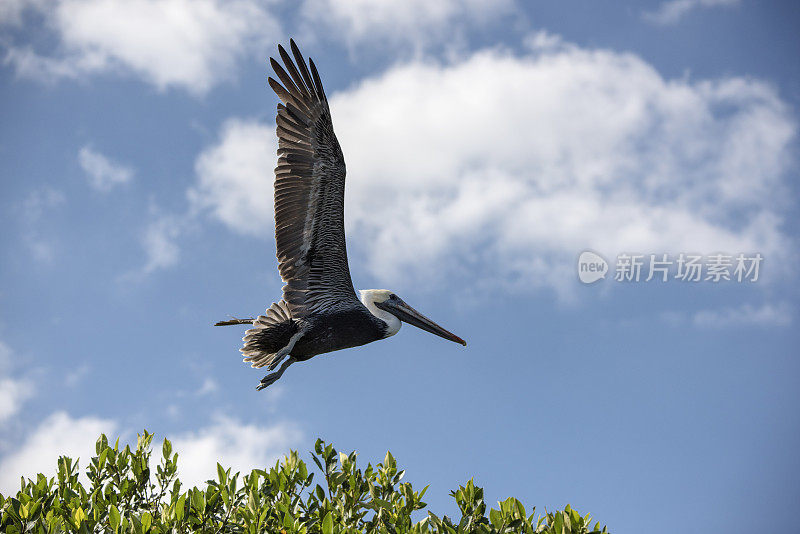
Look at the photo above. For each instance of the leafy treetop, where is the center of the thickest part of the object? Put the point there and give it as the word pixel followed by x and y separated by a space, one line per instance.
pixel 124 496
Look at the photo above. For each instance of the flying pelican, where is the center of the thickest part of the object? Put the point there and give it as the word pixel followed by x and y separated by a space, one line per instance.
pixel 319 311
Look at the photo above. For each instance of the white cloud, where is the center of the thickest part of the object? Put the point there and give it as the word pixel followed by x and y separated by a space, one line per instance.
pixel 11 11
pixel 159 241
pixel 745 315
pixel 226 440
pixel 58 435
pixel 233 444
pixel 512 163
pixel 209 386
pixel 76 375
pixel 160 246
pixel 234 185
pixel 234 177
pixel 40 201
pixel 5 357
pixel 103 174
pixel 396 22
pixel 672 11
pixel 273 396
pixel 13 393
pixel 14 389
pixel 33 209
pixel 503 167
pixel 192 44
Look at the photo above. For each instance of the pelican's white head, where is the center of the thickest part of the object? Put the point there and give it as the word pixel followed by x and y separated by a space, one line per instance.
pixel 370 298
pixel 391 309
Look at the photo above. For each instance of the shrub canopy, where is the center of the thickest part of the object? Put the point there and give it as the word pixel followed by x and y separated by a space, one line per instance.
pixel 123 495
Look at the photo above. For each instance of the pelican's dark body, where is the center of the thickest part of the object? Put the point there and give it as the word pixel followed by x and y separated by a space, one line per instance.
pixel 333 330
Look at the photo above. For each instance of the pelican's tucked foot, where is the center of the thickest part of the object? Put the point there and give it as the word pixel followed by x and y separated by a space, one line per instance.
pixel 281 354
pixel 273 377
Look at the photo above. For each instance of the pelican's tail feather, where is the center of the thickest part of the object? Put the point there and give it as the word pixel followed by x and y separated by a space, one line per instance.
pixel 270 333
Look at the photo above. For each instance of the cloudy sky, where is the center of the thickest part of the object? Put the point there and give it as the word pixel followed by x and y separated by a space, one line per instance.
pixel 488 144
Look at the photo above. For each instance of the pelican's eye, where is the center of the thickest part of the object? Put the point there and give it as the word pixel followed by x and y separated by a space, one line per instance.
pixel 393 296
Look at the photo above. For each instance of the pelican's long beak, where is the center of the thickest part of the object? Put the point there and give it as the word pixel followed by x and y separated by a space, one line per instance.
pixel 407 314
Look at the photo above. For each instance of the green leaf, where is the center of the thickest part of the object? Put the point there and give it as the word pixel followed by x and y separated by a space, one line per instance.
pixel 221 474
pixel 180 507
pixel 197 500
pixel 558 523
pixel 520 508
pixel 495 517
pixel 380 503
pixel 327 523
pixel 147 519
pixel 78 515
pixel 113 517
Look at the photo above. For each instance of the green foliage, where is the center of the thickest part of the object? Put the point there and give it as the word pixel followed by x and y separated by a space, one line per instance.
pixel 124 496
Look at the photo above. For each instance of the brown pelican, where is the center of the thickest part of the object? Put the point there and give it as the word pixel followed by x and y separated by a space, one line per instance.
pixel 320 311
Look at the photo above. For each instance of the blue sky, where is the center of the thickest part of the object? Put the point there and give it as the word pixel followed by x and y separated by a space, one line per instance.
pixel 488 145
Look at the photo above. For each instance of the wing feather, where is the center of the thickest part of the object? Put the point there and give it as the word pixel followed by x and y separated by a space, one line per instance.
pixel 309 192
pixel 303 69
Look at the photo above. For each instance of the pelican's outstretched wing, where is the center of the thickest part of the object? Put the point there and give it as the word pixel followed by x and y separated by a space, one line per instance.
pixel 309 192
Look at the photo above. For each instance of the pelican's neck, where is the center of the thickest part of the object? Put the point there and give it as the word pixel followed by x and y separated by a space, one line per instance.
pixel 368 297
